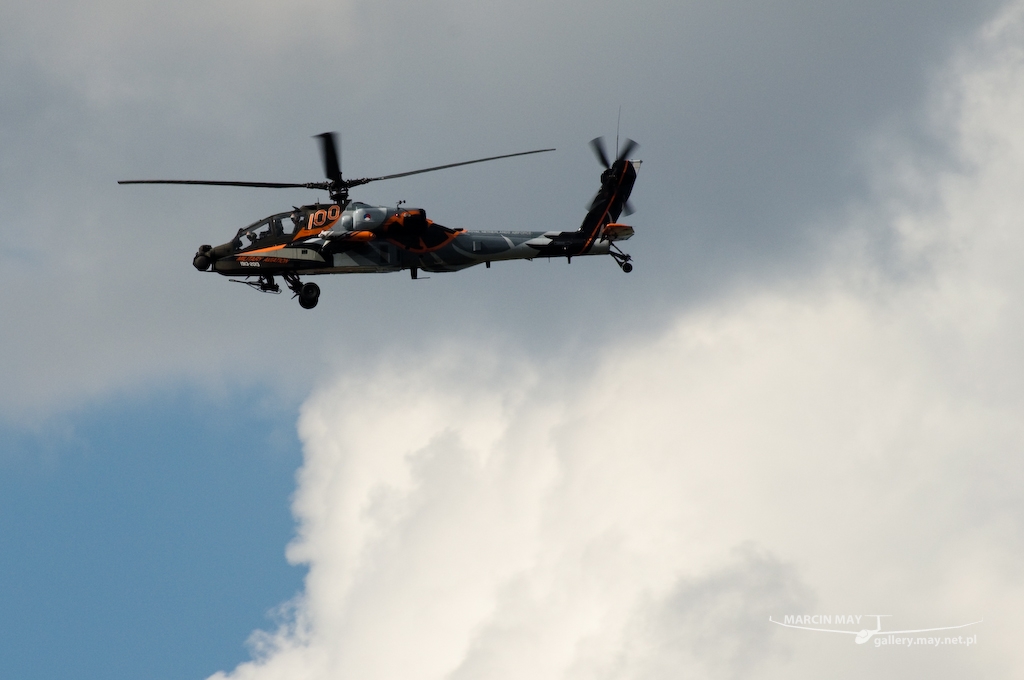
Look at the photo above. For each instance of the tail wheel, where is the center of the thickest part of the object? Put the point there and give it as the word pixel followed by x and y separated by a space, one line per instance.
pixel 621 258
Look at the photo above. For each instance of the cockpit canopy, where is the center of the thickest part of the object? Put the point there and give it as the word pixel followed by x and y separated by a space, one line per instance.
pixel 279 228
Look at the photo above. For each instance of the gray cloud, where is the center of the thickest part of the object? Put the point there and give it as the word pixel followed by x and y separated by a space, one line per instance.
pixel 751 116
pixel 715 623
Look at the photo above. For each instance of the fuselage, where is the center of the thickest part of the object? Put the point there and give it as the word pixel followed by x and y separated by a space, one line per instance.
pixel 354 238
pixel 360 238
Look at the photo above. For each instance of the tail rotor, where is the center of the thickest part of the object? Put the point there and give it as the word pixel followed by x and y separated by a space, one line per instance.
pixel 597 145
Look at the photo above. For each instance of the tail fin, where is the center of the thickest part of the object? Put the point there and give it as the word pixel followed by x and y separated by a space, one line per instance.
pixel 616 185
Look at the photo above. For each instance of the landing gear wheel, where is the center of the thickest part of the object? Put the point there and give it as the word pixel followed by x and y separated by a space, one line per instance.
pixel 621 258
pixel 309 295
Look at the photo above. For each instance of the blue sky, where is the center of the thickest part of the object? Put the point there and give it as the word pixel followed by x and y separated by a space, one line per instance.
pixel 144 536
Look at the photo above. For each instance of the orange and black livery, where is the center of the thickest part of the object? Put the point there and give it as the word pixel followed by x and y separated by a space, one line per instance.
pixel 349 237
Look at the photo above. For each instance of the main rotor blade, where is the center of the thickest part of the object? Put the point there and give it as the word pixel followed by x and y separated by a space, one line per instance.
pixel 364 180
pixel 264 185
pixel 328 147
pixel 597 144
pixel 329 153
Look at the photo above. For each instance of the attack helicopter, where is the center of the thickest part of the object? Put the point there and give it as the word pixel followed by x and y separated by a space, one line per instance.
pixel 348 237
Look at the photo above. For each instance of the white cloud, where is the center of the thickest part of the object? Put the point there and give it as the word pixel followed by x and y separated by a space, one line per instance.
pixel 847 445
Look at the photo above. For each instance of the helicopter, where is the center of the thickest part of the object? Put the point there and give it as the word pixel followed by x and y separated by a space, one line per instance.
pixel 348 237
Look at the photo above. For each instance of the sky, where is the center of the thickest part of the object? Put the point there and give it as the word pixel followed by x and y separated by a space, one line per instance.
pixel 801 401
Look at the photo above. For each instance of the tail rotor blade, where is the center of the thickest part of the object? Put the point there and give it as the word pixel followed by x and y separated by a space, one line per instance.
pixel 628 209
pixel 332 169
pixel 629 147
pixel 597 144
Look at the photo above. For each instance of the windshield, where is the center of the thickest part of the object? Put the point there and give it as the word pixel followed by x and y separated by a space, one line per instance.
pixel 274 229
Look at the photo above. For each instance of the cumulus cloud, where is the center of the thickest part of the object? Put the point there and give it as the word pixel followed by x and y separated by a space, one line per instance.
pixel 843 444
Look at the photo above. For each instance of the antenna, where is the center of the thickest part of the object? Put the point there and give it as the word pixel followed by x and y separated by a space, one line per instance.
pixel 617 121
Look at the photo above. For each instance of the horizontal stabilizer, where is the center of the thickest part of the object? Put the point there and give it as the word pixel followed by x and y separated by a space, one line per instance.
pixel 617 232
